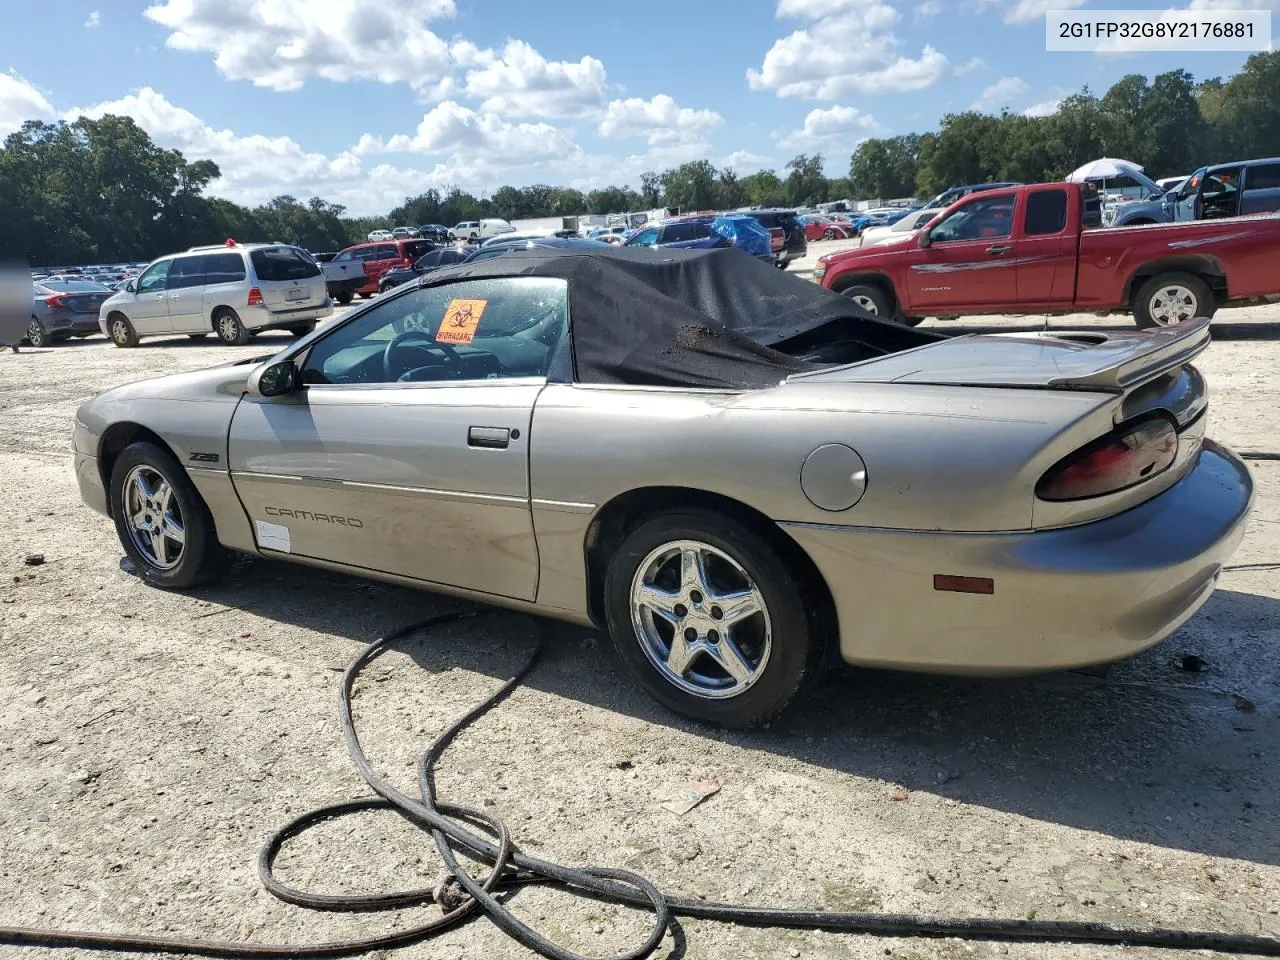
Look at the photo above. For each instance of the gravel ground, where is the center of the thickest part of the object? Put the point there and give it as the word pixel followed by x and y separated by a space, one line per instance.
pixel 150 742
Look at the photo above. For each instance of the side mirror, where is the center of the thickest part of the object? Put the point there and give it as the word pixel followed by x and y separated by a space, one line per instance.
pixel 131 287
pixel 274 379
pixel 924 239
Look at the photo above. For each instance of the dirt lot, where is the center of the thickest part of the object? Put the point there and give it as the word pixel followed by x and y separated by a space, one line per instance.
pixel 149 742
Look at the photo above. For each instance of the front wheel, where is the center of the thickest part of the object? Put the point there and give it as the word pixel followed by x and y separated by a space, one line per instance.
pixel 301 329
pixel 229 328
pixel 162 523
pixel 1172 298
pixel 828 234
pixel 871 299
pixel 36 335
pixel 121 331
pixel 710 619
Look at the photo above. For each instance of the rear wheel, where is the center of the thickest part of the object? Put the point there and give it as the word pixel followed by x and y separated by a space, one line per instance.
pixel 36 335
pixel 344 297
pixel 1172 298
pixel 163 524
pixel 710 619
pixel 226 323
pixel 828 234
pixel 121 331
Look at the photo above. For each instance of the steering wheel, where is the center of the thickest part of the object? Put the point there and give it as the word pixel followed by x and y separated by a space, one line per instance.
pixel 451 358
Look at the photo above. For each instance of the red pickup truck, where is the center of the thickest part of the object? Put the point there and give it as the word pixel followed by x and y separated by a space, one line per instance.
pixel 1039 249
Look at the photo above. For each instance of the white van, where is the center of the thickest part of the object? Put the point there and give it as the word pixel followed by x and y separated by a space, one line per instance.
pixel 233 290
pixel 480 229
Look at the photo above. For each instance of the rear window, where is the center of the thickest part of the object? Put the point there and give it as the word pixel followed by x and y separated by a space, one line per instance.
pixel 283 263
pixel 416 248
pixel 773 218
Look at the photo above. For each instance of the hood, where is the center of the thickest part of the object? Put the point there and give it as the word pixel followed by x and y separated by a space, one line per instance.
pixel 222 383
pixel 1111 362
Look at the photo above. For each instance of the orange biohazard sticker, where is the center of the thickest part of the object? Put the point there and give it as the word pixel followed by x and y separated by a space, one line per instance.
pixel 461 318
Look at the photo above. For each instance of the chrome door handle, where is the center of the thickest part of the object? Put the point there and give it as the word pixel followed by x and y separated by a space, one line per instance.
pixel 489 438
pixel 998 249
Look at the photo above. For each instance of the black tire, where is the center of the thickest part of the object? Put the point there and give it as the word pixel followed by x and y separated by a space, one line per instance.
pixel 365 296
pixel 202 559
pixel 911 321
pixel 301 329
pixel 344 298
pixel 1199 298
pixel 121 331
pixel 797 648
pixel 197 336
pixel 872 299
pixel 227 325
pixel 37 336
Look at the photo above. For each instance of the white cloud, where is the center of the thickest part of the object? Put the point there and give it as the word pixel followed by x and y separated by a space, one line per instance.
pixel 1046 109
pixel 660 119
pixel 281 43
pixel 523 82
pixel 450 128
pixel 999 94
pixel 95 18
pixel 744 162
pixel 926 11
pixel 834 127
pixel 849 49
pixel 19 102
pixel 1026 11
pixel 977 63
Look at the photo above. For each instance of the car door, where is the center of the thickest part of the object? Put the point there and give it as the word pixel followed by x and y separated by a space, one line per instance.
pixel 970 259
pixel 149 312
pixel 648 237
pixel 185 289
pixel 1219 194
pixel 1045 249
pixel 407 453
pixel 381 258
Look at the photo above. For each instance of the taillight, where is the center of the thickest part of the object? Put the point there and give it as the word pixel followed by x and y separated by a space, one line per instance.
pixel 1127 456
pixel 255 297
pixel 56 300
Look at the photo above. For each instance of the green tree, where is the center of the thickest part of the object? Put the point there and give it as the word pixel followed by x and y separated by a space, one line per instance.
pixel 650 189
pixel 764 189
pixel 805 183
pixel 690 186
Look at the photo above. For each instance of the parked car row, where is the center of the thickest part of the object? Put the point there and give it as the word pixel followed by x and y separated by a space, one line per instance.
pixel 1236 189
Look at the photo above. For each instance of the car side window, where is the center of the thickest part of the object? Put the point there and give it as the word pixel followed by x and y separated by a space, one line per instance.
pixel 988 218
pixel 646 238
pixel 494 328
pixel 223 268
pixel 1046 212
pixel 384 251
pixel 186 272
pixel 1265 176
pixel 154 278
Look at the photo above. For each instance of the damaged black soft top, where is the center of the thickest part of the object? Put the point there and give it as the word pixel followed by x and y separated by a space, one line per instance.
pixel 696 318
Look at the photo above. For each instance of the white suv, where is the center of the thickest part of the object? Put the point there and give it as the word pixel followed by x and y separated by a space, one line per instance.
pixel 480 229
pixel 234 290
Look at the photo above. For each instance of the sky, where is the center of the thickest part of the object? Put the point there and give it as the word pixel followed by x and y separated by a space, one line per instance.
pixel 365 102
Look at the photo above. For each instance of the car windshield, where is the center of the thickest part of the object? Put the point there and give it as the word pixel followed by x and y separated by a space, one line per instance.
pixel 76 286
pixel 283 263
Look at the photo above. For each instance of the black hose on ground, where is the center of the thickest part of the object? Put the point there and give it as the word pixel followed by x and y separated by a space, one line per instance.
pixel 483 837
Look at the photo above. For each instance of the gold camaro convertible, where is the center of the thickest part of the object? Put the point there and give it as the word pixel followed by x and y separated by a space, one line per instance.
pixel 731 470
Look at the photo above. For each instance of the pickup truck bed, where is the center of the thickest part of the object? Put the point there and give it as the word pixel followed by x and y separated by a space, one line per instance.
pixel 1031 250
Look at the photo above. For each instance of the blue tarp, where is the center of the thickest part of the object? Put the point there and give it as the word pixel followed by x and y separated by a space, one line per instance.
pixel 745 232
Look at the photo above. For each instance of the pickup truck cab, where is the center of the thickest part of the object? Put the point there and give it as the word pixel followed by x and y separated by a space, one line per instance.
pixel 1038 249
pixel 358 268
pixel 1237 189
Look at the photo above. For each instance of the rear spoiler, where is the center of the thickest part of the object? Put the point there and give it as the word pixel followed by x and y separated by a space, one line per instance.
pixel 1166 348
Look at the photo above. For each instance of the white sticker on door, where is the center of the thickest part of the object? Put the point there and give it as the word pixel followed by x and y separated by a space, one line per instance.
pixel 272 536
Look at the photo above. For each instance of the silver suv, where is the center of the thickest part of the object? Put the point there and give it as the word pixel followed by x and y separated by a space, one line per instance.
pixel 233 290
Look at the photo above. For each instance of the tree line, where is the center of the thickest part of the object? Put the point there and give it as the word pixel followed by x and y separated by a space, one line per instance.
pixel 101 190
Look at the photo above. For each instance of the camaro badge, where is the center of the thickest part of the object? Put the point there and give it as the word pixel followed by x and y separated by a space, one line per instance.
pixel 461 318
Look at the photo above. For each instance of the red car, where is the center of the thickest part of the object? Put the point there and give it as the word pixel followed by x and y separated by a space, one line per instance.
pixel 827 228
pixel 1038 249
pixel 375 259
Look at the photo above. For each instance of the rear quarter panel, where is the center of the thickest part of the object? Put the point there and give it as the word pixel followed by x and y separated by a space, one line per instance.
pixel 937 458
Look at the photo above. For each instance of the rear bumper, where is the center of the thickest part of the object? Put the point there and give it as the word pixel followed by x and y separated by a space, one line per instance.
pixel 262 318
pixel 1089 594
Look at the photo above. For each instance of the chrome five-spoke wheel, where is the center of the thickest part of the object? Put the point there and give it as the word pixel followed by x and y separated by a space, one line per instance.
pixel 153 517
pixel 700 619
